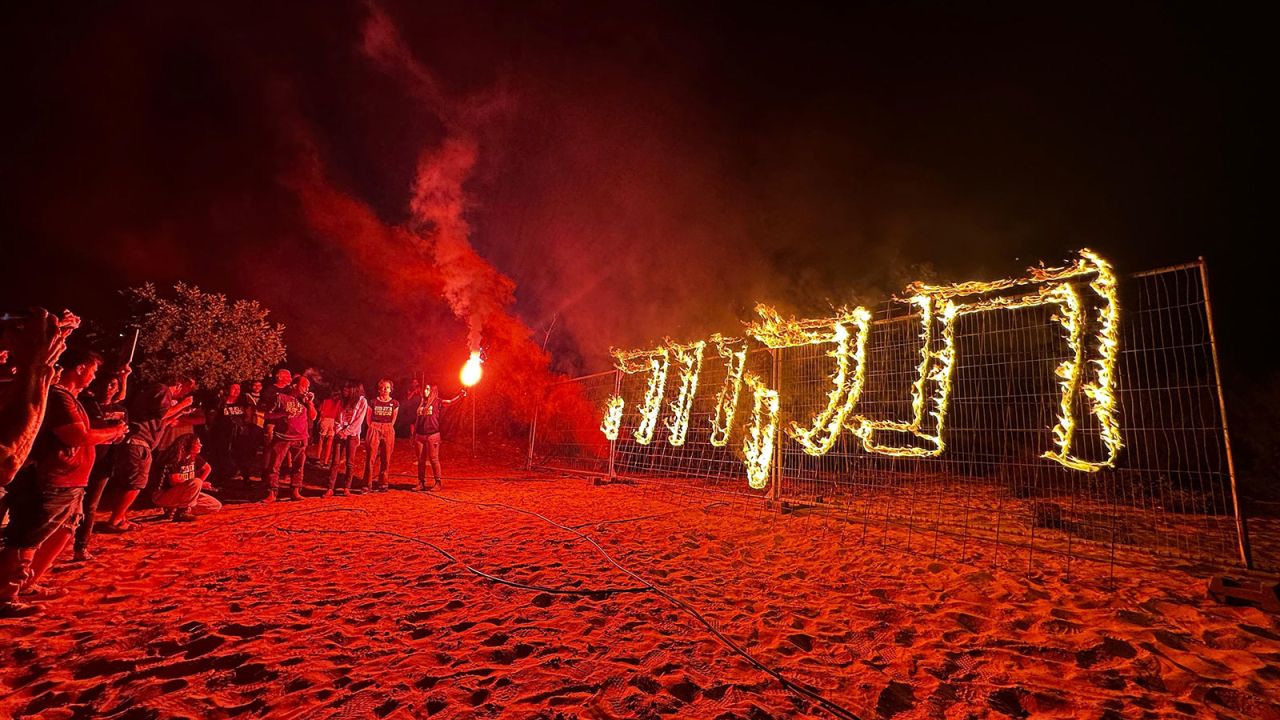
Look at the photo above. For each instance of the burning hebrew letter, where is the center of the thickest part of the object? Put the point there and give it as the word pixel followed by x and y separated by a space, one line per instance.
pixel 937 365
pixel 734 353
pixel 657 363
pixel 758 445
pixel 612 422
pixel 689 359
pixel 850 354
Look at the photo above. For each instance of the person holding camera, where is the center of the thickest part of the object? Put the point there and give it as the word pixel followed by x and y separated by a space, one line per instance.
pixel 292 415
pixel 104 402
pixel 46 497
pixel 30 346
pixel 152 411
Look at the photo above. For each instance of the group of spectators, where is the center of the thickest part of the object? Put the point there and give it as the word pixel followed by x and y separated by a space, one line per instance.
pixel 71 428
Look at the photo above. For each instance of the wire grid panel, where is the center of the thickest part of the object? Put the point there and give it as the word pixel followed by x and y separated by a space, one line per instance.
pixel 1169 494
pixel 697 461
pixel 567 432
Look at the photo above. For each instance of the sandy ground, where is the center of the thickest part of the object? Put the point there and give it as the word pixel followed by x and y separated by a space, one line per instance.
pixel 340 609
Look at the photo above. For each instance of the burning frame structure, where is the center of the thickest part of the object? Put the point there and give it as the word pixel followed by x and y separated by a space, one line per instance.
pixel 1068 411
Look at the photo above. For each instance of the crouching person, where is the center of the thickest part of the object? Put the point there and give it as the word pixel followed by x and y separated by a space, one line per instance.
pixel 46 498
pixel 183 493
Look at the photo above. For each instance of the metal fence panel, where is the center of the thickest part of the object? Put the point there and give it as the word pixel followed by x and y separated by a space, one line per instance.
pixel 1170 493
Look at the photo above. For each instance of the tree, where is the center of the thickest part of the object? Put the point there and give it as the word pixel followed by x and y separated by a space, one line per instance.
pixel 203 336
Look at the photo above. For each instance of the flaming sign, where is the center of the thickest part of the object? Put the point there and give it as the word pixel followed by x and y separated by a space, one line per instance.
pixel 1089 370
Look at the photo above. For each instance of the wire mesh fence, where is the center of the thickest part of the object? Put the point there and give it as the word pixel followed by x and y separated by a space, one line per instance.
pixel 1168 494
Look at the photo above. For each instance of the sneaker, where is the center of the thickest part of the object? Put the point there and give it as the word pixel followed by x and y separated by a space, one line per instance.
pixel 16 609
pixel 296 495
pixel 40 592
pixel 270 498
pixel 82 555
pixel 184 517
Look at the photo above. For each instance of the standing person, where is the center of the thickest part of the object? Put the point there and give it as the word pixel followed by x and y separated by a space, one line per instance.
pixel 183 492
pixel 292 416
pixel 152 410
pixel 252 397
pixel 266 404
pixel 426 431
pixel 252 442
pixel 382 436
pixel 46 497
pixel 227 424
pixel 329 409
pixel 29 352
pixel 346 430
pixel 103 401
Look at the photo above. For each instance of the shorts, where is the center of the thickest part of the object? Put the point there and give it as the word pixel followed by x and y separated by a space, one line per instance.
pixel 326 427
pixel 37 511
pixel 133 466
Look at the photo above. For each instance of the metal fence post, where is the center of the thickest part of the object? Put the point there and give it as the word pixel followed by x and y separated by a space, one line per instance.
pixel 533 429
pixel 613 444
pixel 1242 529
pixel 775 467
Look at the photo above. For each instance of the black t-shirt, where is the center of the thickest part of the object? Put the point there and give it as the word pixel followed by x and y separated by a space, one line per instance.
pixel 382 412
pixel 427 416
pixel 147 407
pixel 230 415
pixel 267 401
pixel 187 471
pixel 55 462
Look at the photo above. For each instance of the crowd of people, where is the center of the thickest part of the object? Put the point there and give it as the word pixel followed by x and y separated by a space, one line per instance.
pixel 77 440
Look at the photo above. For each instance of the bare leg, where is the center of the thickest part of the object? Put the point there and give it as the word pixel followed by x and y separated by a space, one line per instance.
pixel 48 551
pixel 120 515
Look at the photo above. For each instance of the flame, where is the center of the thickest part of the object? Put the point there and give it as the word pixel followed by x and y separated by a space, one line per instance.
pixel 727 401
pixel 657 362
pixel 689 358
pixel 757 447
pixel 612 422
pixel 937 365
pixel 847 380
pixel 471 372
pixel 940 306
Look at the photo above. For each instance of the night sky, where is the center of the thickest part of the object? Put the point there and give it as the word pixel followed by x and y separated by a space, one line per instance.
pixel 640 171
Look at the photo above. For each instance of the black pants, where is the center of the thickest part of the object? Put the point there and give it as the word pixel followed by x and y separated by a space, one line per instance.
pixel 92 497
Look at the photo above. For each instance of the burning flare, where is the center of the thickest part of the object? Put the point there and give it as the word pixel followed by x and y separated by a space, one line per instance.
pixel 472 372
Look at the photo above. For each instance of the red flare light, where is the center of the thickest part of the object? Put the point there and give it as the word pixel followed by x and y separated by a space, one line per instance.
pixel 471 372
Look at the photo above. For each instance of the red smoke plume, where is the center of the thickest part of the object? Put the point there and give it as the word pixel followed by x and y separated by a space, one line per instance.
pixel 432 253
pixel 475 290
